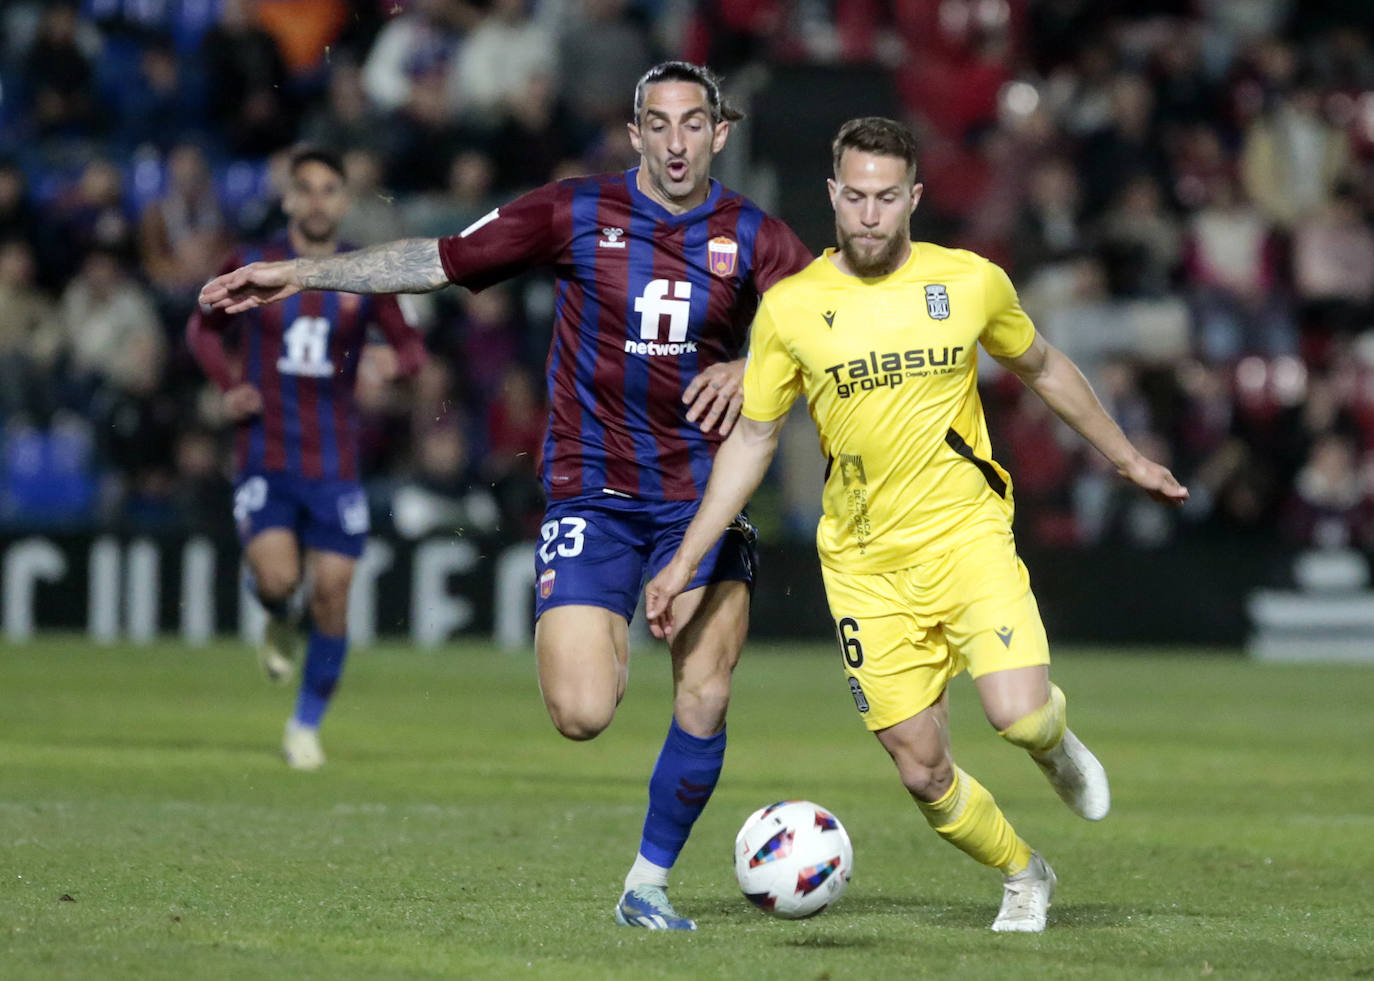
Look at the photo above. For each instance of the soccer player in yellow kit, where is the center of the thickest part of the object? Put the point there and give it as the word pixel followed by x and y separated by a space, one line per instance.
pixel 920 569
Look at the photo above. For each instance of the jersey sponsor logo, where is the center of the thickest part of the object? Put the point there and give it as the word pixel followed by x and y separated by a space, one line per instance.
pixel 937 301
pixel 889 369
pixel 663 298
pixel 612 239
pixel 306 344
pixel 487 218
pixel 722 253
pixel 829 318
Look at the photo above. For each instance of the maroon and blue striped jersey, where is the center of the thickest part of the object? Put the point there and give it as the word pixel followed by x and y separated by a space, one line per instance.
pixel 645 300
pixel 302 356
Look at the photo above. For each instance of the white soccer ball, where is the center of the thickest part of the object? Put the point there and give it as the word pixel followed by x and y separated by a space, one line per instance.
pixel 793 859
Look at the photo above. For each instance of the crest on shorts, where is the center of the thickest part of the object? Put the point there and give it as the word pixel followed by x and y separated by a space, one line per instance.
pixel 721 252
pixel 546 579
pixel 937 301
pixel 855 689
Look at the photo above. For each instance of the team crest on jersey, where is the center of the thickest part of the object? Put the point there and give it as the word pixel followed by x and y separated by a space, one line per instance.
pixel 612 239
pixel 546 579
pixel 722 251
pixel 937 302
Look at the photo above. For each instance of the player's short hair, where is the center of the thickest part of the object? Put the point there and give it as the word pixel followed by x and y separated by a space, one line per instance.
pixel 685 71
pixel 876 134
pixel 319 155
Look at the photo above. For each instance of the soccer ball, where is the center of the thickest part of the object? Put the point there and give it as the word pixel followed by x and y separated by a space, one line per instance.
pixel 793 859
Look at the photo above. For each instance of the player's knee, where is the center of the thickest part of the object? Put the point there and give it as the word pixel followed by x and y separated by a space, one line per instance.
pixel 579 719
pixel 927 781
pixel 276 585
pixel 1042 729
pixel 702 705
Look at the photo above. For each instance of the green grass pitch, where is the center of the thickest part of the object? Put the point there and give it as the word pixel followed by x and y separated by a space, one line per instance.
pixel 148 828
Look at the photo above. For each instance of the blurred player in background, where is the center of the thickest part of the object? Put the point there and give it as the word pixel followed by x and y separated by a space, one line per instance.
pixel 659 271
pixel 916 547
pixel 289 392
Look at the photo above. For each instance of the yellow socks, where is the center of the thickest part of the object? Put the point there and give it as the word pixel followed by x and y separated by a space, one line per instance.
pixel 1043 729
pixel 969 819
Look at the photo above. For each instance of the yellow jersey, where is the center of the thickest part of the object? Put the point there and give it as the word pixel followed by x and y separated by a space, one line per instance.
pixel 889 367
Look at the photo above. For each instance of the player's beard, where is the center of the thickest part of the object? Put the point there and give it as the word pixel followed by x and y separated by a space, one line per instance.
pixel 871 263
pixel 317 229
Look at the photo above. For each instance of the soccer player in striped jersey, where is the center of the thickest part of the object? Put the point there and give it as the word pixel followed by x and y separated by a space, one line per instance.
pixel 659 273
pixel 289 392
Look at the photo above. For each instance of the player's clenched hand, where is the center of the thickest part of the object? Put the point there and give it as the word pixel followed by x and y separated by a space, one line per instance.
pixel 242 401
pixel 253 285
pixel 659 595
pixel 715 396
pixel 379 362
pixel 1156 480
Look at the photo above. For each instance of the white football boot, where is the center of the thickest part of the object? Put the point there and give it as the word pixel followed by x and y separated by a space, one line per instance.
pixel 1077 777
pixel 1026 898
pixel 301 747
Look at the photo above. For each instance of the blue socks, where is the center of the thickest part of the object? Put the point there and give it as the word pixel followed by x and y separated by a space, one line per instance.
pixel 324 661
pixel 681 784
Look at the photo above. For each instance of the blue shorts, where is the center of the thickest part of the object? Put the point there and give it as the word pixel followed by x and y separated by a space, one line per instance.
pixel 328 515
pixel 601 550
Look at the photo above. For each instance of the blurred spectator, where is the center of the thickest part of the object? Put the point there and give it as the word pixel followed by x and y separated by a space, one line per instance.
pixel 515 433
pixel 1233 266
pixel 91 214
pixel 112 329
pixel 30 333
pixel 18 219
pixel 418 44
pixel 467 197
pixel 160 104
pixel 347 119
pixel 202 493
pixel 374 216
pixel 1047 228
pixel 1292 157
pixel 1333 265
pixel 497 62
pixel 536 135
pixel 183 235
pixel 602 51
pixel 59 75
pixel 249 89
pixel 441 495
pixel 1328 508
pixel 1123 148
pixel 1140 240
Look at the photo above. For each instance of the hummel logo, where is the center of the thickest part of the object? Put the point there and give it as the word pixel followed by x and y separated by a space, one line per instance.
pixel 1004 635
pixel 829 317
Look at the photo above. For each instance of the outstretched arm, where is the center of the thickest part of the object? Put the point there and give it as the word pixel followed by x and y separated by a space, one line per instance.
pixel 406 266
pixel 1055 378
pixel 737 472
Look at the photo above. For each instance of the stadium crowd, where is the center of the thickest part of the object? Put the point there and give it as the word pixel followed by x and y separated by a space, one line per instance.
pixel 1182 191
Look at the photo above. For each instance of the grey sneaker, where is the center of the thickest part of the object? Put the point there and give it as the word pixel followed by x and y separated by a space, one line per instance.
pixel 1026 898
pixel 301 747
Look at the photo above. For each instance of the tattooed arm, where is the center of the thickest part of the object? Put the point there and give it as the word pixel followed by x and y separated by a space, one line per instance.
pixel 407 266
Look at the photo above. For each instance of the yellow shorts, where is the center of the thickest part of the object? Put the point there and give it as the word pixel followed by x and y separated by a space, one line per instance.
pixel 905 634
